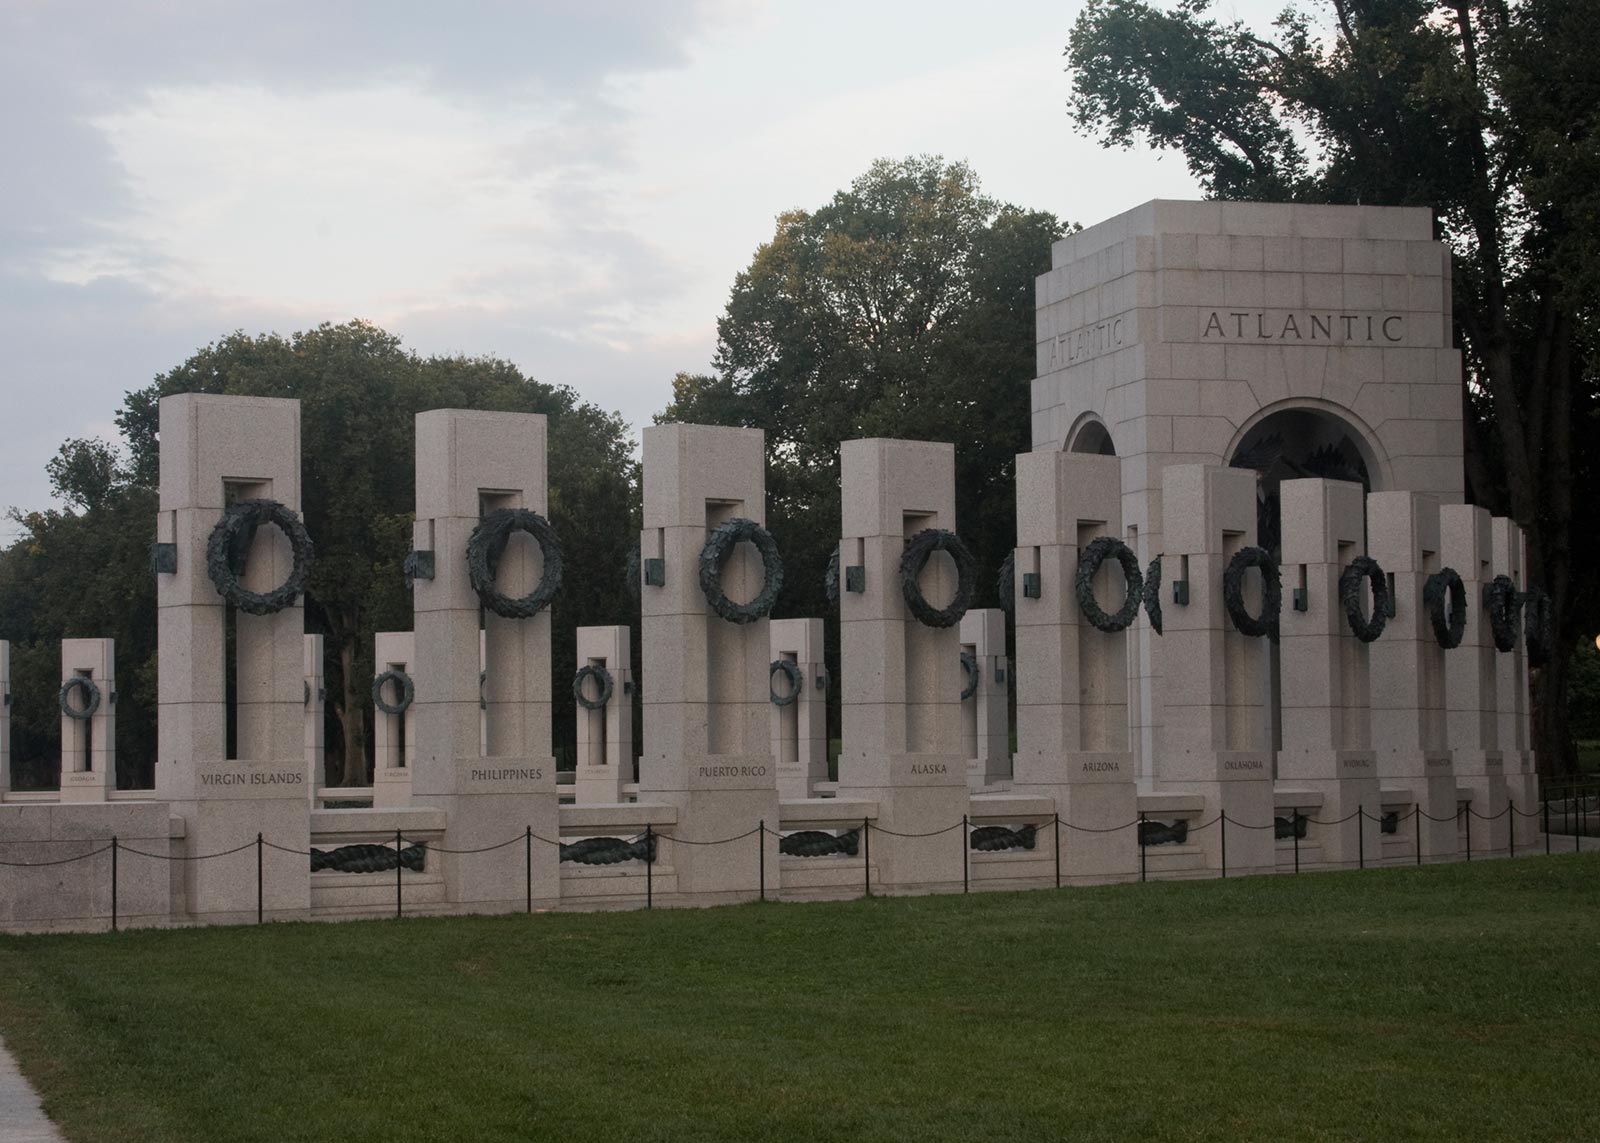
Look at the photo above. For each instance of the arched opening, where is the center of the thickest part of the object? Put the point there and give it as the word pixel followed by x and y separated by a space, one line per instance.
pixel 1092 437
pixel 1287 443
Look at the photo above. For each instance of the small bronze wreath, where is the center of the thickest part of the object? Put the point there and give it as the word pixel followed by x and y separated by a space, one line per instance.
pixel 91 698
pixel 228 548
pixel 603 680
pixel 488 543
pixel 970 675
pixel 1364 628
pixel 714 557
pixel 919 549
pixel 1501 600
pixel 1152 594
pixel 1271 596
pixel 1083 584
pixel 790 671
pixel 407 691
pixel 1448 628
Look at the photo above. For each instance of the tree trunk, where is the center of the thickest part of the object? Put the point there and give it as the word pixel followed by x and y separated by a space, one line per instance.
pixel 353 719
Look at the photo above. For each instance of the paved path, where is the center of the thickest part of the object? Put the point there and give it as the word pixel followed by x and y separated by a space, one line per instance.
pixel 22 1120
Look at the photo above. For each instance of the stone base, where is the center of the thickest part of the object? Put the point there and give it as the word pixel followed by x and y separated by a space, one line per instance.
pixel 1431 778
pixel 1482 772
pixel 222 888
pixel 1098 794
pixel 495 801
pixel 86 786
pixel 1237 783
pixel 1347 782
pixel 718 797
pixel 916 794
pixel 599 785
pixel 391 788
pixel 1522 788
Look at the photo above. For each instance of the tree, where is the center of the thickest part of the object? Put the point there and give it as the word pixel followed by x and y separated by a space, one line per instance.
pixel 360 391
pixel 901 308
pixel 1485 112
pixel 82 573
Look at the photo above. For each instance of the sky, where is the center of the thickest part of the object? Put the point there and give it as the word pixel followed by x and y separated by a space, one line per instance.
pixel 571 186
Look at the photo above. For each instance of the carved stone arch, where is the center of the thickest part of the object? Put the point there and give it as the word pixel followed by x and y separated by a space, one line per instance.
pixel 1089 434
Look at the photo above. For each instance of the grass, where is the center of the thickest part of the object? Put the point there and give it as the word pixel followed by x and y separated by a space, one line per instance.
pixel 1445 1002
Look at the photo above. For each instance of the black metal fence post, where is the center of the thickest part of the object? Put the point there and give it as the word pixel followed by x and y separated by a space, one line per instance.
pixel 1416 818
pixel 260 879
pixel 1141 847
pixel 649 866
pixel 1294 832
pixel 399 907
pixel 866 854
pixel 1547 826
pixel 527 857
pixel 113 883
pixel 1511 828
pixel 761 855
pixel 1224 819
pixel 1361 836
pixel 1468 812
pixel 964 877
pixel 1058 850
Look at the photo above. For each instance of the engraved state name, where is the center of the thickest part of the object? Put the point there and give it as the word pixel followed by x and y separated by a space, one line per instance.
pixel 1302 325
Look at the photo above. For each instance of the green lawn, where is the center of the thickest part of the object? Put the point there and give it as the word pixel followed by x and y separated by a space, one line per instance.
pixel 1448 1002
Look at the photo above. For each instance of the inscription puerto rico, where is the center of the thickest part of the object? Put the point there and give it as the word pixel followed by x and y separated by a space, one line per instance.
pixel 1289 325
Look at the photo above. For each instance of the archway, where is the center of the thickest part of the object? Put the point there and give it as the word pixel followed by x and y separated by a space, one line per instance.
pixel 1091 435
pixel 1286 442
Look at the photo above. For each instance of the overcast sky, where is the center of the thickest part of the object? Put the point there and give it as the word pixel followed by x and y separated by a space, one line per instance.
pixel 569 185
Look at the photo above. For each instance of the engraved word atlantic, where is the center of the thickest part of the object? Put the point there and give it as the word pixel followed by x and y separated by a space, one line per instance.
pixel 1289 325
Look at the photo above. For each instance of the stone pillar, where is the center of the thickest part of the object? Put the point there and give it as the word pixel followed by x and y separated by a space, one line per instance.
pixel 1471 700
pixel 985 721
pixel 1072 686
pixel 901 681
pixel 605 736
pixel 1509 558
pixel 5 718
pixel 1408 704
pixel 89 746
pixel 495 777
pixel 394 736
pixel 316 697
pixel 707 728
pixel 1215 678
pixel 800 729
pixel 215 450
pixel 1325 671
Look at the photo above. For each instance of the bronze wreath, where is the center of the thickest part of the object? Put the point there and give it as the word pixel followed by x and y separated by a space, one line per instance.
pixel 918 551
pixel 228 549
pixel 1083 584
pixel 969 668
pixel 603 680
pixel 408 691
pixel 790 671
pixel 1152 594
pixel 91 698
pixel 1500 598
pixel 1538 625
pixel 1448 628
pixel 714 557
pixel 488 543
pixel 1364 568
pixel 1271 596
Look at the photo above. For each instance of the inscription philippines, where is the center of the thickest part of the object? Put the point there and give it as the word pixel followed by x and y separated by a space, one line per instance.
pixel 1280 325
pixel 525 773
